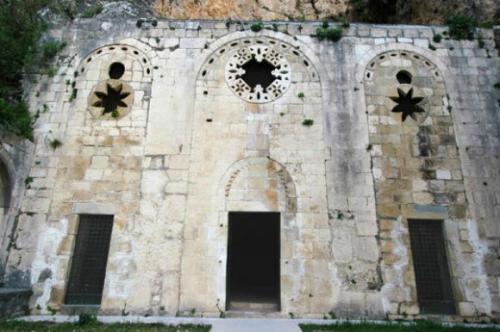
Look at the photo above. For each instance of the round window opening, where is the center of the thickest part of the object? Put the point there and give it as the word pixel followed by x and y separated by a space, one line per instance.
pixel 403 77
pixel 258 74
pixel 116 70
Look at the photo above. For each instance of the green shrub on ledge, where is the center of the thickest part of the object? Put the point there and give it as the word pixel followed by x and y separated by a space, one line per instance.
pixel 325 32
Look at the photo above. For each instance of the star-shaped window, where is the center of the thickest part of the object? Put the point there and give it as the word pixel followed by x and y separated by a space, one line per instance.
pixel 111 100
pixel 258 73
pixel 407 105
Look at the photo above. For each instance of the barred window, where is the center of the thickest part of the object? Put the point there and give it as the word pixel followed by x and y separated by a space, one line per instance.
pixel 432 273
pixel 88 267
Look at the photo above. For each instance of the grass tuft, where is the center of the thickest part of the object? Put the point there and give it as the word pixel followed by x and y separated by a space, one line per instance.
pixel 325 32
pixel 308 122
pixel 420 326
pixel 94 326
pixel 93 11
pixel 256 27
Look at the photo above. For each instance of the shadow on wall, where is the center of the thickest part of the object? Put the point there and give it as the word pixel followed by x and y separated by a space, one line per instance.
pixel 5 189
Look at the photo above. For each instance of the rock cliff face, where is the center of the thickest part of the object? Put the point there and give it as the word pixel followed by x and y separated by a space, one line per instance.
pixel 379 11
pixel 252 9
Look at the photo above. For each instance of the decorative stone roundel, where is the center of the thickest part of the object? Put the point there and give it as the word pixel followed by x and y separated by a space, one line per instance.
pixel 409 83
pixel 258 73
pixel 111 99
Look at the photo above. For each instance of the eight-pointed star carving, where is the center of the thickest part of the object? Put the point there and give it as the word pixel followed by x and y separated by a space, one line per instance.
pixel 407 104
pixel 111 99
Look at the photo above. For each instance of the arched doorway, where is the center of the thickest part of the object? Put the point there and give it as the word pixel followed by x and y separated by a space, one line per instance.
pixel 260 207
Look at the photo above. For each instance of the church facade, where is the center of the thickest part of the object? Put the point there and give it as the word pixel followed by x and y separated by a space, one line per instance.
pixel 199 167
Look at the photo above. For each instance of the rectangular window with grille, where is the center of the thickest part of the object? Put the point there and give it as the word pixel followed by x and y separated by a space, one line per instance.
pixel 90 256
pixel 432 274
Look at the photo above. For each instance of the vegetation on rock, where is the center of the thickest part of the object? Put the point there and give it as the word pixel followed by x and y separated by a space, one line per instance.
pixel 92 11
pixel 20 31
pixel 256 27
pixel 461 27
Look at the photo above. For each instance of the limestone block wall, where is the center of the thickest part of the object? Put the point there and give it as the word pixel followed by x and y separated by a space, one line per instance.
pixel 191 144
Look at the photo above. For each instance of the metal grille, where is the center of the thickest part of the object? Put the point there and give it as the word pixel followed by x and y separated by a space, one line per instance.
pixel 88 268
pixel 431 267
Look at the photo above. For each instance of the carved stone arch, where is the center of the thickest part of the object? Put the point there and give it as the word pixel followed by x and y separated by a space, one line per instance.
pixel 118 70
pixel 230 60
pixel 277 193
pixel 235 39
pixel 440 64
pixel 122 50
pixel 413 85
pixel 254 184
pixel 401 58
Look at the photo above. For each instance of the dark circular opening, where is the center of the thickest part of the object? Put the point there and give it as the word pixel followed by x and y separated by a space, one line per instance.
pixel 404 77
pixel 258 73
pixel 116 70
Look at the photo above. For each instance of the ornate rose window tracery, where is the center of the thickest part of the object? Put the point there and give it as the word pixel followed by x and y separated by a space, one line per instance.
pixel 258 73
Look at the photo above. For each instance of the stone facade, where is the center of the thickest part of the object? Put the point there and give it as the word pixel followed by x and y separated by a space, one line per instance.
pixel 187 142
pixel 15 180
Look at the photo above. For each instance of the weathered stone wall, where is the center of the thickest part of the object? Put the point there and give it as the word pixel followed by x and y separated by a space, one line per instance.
pixel 4 192
pixel 418 175
pixel 14 302
pixel 15 164
pixel 191 144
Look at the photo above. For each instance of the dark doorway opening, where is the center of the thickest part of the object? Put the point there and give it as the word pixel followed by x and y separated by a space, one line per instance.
pixel 253 262
pixel 432 273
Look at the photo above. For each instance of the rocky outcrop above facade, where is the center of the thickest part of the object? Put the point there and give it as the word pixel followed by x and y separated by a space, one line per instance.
pixel 378 11
pixel 370 11
pixel 252 10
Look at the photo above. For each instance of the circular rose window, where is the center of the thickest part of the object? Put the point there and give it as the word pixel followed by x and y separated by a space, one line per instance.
pixel 258 74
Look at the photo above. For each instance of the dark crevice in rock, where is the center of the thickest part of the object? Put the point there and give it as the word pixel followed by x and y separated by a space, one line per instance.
pixel 317 12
